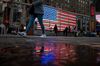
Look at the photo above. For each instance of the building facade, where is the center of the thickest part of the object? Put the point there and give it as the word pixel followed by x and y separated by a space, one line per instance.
pixel 80 8
pixel 83 9
pixel 73 13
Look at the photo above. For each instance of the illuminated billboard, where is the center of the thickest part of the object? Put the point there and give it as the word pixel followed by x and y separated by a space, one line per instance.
pixel 54 16
pixel 98 18
pixel 98 22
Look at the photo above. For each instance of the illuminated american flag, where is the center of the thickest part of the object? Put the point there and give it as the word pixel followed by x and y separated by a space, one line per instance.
pixel 53 16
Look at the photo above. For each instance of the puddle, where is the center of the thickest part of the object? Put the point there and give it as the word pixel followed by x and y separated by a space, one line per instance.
pixel 50 54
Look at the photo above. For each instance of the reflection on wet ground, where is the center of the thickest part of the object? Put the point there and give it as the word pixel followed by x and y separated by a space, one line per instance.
pixel 50 54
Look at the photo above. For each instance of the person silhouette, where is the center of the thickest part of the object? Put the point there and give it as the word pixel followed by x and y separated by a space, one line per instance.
pixel 36 11
pixel 55 29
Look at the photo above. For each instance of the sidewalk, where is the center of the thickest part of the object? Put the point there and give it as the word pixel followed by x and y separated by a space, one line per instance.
pixel 51 33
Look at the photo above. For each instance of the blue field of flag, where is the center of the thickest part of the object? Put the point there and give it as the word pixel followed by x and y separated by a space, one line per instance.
pixel 50 13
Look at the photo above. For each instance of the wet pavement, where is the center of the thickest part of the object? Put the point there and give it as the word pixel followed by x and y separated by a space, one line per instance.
pixel 43 52
pixel 50 54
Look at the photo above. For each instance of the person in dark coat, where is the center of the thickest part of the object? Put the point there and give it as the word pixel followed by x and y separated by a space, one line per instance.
pixel 36 11
pixel 65 31
pixel 55 29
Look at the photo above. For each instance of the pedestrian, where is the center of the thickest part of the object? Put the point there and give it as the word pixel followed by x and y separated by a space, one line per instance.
pixel 36 11
pixel 65 32
pixel 74 31
pixel 2 28
pixel 35 25
pixel 55 29
pixel 69 29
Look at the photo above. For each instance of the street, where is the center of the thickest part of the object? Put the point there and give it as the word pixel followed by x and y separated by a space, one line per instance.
pixel 70 30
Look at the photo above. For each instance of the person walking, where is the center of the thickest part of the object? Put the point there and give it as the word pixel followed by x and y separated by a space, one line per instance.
pixel 36 11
